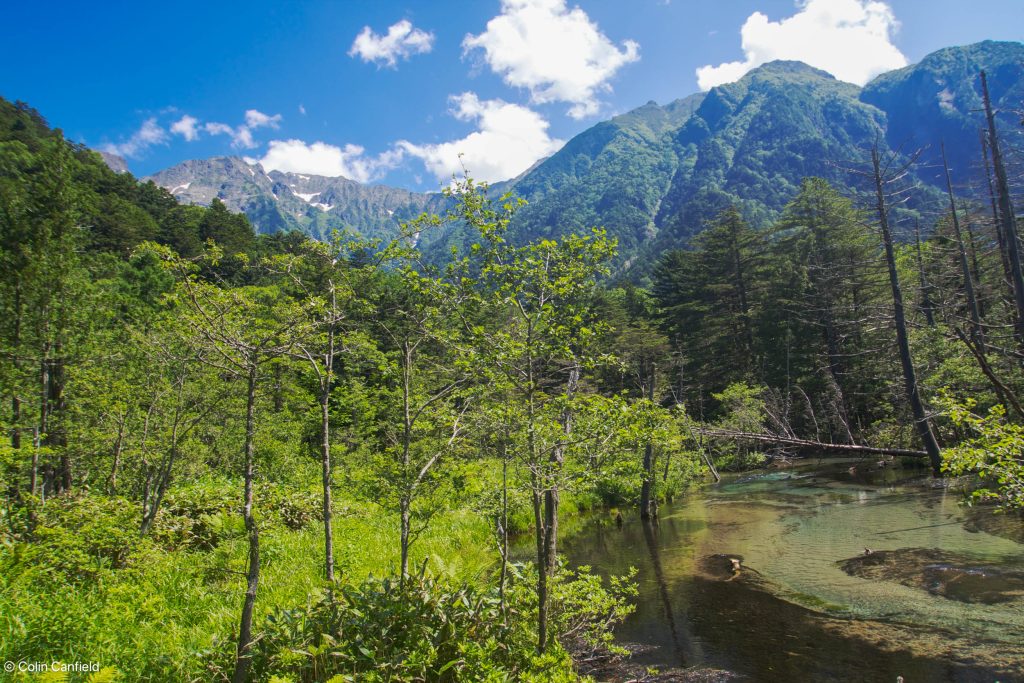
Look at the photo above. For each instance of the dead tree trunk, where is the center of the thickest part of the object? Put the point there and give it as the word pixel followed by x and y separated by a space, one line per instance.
pixel 926 297
pixel 921 421
pixel 1006 217
pixel 845 448
pixel 977 334
pixel 1004 257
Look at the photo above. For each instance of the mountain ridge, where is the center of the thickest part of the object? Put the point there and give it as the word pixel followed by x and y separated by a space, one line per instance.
pixel 654 175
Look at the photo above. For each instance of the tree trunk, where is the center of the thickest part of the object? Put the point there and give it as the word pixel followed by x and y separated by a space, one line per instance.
pixel 551 493
pixel 34 474
pixel 646 488
pixel 51 417
pixel 116 465
pixel 926 298
pixel 741 288
pixel 977 334
pixel 242 658
pixel 44 417
pixel 325 456
pixel 542 565
pixel 972 251
pixel 404 514
pixel 1004 257
pixel 404 503
pixel 844 448
pixel 910 378
pixel 16 346
pixel 1006 217
pixel 503 531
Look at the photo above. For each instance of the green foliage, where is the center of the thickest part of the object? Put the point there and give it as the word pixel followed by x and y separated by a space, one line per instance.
pixel 80 538
pixel 382 630
pixel 744 412
pixel 201 514
pixel 991 450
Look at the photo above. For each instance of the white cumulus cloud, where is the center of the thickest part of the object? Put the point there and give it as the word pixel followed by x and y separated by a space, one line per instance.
pixel 508 140
pixel 241 135
pixel 320 158
pixel 850 39
pixel 558 54
pixel 186 127
pixel 401 42
pixel 149 134
pixel 257 119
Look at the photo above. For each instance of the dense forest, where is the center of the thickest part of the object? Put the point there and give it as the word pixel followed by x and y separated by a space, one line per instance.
pixel 269 458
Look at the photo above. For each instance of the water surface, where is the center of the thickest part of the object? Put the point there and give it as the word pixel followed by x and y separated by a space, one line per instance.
pixel 937 598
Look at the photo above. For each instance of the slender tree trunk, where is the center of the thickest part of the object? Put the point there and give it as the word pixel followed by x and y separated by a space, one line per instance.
pixel 503 531
pixel 406 521
pixel 977 334
pixel 835 372
pixel 551 494
pixel 741 288
pixel 44 413
pixel 58 429
pixel 278 389
pixel 242 658
pixel 404 503
pixel 118 446
pixel 972 252
pixel 917 406
pixel 34 473
pixel 1004 256
pixel 646 488
pixel 159 488
pixel 325 455
pixel 538 483
pixel 1006 216
pixel 156 485
pixel 926 298
pixel 16 346
pixel 542 564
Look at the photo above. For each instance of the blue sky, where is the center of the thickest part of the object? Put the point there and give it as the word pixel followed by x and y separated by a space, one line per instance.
pixel 393 92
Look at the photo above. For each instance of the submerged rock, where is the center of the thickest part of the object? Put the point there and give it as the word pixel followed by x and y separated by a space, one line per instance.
pixel 949 575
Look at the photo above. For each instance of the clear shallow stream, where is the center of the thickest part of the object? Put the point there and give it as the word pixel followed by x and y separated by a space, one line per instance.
pixel 792 613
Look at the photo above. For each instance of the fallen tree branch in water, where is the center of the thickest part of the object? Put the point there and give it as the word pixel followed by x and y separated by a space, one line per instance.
pixel 807 443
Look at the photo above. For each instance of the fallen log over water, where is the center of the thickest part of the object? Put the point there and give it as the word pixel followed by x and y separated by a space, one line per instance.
pixel 853 449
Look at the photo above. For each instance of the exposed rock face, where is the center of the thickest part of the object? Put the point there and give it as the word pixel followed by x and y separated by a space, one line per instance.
pixel 313 204
pixel 116 163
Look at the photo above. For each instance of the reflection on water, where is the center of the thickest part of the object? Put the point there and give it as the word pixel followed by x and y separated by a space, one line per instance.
pixel 922 596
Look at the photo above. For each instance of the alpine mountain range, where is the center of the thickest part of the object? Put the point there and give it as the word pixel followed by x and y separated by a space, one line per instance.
pixel 652 177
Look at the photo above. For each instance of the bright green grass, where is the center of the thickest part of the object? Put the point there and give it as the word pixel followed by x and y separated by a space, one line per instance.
pixel 158 618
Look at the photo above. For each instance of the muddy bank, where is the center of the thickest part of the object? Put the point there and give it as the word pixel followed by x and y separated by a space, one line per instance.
pixel 627 669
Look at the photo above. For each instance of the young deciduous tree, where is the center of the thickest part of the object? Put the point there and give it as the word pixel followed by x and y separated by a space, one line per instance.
pixel 240 332
pixel 535 346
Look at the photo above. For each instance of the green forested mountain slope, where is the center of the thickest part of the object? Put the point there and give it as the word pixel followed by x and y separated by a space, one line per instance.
pixel 654 176
pixel 654 179
pixel 939 99
pixel 49 184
